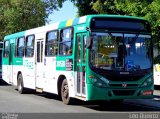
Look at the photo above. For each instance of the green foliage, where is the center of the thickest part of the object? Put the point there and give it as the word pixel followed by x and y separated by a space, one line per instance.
pixel 148 9
pixel 19 15
pixel 106 7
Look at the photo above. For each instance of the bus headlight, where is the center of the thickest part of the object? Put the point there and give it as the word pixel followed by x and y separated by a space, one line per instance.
pixel 147 82
pixel 98 82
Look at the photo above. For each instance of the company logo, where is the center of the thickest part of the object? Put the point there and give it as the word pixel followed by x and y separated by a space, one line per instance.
pixel 124 85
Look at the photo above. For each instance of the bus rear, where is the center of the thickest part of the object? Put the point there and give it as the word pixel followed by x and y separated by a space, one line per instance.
pixel 119 58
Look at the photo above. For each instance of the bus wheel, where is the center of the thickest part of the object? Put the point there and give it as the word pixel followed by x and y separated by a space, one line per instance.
pixel 65 92
pixel 20 86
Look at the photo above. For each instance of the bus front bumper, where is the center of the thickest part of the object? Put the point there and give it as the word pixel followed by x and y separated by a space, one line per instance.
pixel 99 93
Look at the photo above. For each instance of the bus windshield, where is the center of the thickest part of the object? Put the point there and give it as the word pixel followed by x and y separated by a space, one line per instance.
pixel 121 52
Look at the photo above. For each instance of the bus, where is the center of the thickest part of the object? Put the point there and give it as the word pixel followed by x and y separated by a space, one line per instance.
pixel 93 57
pixel 1 47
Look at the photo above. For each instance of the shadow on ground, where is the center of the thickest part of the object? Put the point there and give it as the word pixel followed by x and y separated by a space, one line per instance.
pixel 102 106
pixel 3 83
pixel 105 106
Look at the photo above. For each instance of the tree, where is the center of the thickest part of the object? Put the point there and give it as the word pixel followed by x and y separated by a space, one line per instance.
pixel 149 9
pixel 19 15
pixel 84 7
pixel 106 7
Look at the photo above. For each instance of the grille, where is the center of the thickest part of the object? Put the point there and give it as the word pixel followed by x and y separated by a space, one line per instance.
pixel 120 85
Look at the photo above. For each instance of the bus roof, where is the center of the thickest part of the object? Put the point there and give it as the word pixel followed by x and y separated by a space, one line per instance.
pixel 67 23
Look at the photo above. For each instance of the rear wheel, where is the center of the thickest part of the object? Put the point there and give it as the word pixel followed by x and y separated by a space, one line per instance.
pixel 65 92
pixel 20 86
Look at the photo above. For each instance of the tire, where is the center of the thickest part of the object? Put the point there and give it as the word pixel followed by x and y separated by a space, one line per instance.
pixel 20 85
pixel 65 93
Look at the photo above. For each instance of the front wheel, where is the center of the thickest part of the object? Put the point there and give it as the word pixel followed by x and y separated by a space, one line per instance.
pixel 65 92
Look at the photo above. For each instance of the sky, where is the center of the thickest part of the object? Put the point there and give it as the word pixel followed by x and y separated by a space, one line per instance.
pixel 68 11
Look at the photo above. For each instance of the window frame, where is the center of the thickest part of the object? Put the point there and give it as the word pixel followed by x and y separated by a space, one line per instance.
pixel 62 42
pixel 4 51
pixel 53 44
pixel 26 39
pixel 16 52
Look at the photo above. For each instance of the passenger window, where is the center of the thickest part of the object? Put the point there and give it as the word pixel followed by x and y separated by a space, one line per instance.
pixel 51 48
pixel 6 49
pixel 29 46
pixel 20 47
pixel 65 45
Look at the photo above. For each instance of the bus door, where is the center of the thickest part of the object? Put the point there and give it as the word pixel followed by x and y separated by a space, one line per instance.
pixel 39 63
pixel 81 67
pixel 11 53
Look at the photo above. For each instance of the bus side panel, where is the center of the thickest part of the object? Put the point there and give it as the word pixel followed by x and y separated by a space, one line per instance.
pixel 29 72
pixel 8 61
pixel 16 70
pixel 64 66
pixel 17 67
pixel 29 67
pixel 5 72
pixel 50 75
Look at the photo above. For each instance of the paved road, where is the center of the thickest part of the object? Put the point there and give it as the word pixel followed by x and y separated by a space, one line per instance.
pixel 13 102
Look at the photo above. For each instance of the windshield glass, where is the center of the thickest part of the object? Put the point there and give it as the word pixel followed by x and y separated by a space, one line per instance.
pixel 121 52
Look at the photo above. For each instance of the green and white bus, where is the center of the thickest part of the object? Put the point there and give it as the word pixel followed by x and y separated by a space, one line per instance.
pixel 94 57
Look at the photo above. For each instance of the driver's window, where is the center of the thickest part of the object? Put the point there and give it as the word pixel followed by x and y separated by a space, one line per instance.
pixel 104 50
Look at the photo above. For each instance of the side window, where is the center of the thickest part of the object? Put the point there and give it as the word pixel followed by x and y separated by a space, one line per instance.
pixel 51 48
pixel 6 49
pixel 65 45
pixel 84 48
pixel 38 51
pixel 29 46
pixel 20 47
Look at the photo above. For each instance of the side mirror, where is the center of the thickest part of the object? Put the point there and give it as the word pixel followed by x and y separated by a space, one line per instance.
pixel 89 42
